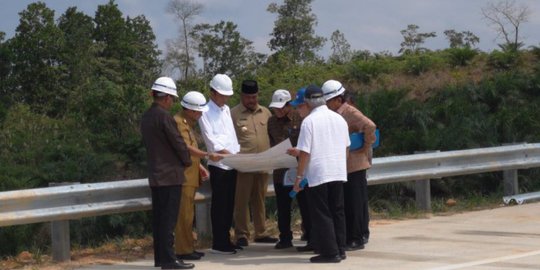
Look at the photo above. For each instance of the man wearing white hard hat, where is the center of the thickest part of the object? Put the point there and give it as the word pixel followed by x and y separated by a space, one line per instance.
pixel 193 105
pixel 167 156
pixel 220 137
pixel 358 161
pixel 285 124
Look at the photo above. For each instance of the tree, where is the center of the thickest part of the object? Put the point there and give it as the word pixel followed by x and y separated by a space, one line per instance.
pixel 179 51
pixel 110 31
pixel 143 58
pixel 36 70
pixel 505 18
pixel 413 40
pixel 224 50
pixel 293 32
pixel 463 39
pixel 5 70
pixel 5 64
pixel 127 50
pixel 341 49
pixel 126 64
pixel 78 53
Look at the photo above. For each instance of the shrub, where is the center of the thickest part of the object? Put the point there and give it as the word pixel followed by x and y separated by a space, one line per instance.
pixel 36 150
pixel 417 64
pixel 460 56
pixel 367 70
pixel 501 61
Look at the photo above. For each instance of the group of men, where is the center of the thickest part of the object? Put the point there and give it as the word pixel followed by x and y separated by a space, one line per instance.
pixel 318 122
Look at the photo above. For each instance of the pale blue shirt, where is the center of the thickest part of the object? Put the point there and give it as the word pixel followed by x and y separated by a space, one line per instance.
pixel 218 132
pixel 324 134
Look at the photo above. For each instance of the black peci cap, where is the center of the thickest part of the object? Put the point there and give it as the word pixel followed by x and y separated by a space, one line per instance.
pixel 250 87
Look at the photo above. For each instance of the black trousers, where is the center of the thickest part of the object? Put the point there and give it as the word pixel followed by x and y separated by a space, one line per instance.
pixel 223 184
pixel 165 204
pixel 284 203
pixel 327 218
pixel 356 206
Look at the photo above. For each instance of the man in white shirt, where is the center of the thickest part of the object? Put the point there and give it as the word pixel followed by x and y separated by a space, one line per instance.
pixel 323 146
pixel 219 136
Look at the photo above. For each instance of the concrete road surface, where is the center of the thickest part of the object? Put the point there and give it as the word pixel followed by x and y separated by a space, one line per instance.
pixel 501 239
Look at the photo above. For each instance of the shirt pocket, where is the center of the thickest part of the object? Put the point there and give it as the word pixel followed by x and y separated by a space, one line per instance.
pixel 262 126
pixel 242 127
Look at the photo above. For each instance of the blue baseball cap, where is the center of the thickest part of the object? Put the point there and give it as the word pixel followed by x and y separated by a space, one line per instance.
pixel 313 91
pixel 299 98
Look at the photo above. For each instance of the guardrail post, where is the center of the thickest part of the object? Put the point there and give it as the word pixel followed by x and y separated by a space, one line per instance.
pixel 423 189
pixel 511 185
pixel 60 240
pixel 203 221
pixel 423 194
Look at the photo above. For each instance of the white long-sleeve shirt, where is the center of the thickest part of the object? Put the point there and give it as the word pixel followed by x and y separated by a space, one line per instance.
pixel 218 132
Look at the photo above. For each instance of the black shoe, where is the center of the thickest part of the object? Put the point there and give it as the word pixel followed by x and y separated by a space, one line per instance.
pixel 283 244
pixel 201 254
pixel 188 257
pixel 325 259
pixel 306 248
pixel 236 247
pixel 342 255
pixel 354 245
pixel 365 239
pixel 266 239
pixel 178 265
pixel 223 251
pixel 243 242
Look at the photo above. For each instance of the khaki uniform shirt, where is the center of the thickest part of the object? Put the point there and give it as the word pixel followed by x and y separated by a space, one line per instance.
pixel 251 128
pixel 185 127
pixel 358 122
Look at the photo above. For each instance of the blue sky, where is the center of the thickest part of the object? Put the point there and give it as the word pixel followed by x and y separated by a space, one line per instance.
pixel 367 24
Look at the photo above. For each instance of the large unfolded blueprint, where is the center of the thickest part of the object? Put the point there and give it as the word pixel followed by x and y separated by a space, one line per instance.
pixel 273 158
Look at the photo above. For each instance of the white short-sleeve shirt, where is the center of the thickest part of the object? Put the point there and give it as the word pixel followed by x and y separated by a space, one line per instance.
pixel 324 134
pixel 218 131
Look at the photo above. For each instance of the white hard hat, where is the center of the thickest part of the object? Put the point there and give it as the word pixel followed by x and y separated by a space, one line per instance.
pixel 280 98
pixel 165 85
pixel 194 100
pixel 222 84
pixel 331 89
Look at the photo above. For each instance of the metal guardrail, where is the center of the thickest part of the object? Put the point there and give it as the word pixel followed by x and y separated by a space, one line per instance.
pixel 86 200
pixel 453 163
pixel 62 203
pixel 522 198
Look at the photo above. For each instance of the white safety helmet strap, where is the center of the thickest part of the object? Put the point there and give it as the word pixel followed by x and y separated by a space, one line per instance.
pixel 194 101
pixel 165 85
pixel 195 107
pixel 334 93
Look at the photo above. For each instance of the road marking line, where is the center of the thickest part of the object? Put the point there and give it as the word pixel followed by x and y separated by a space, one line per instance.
pixel 486 261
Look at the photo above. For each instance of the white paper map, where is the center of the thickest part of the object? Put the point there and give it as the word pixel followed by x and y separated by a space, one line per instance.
pixel 273 158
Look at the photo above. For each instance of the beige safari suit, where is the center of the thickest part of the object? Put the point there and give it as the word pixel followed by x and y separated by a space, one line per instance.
pixel 251 130
pixel 183 240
